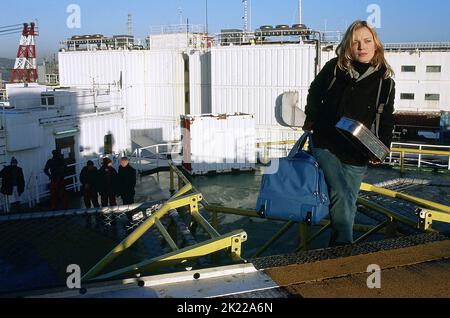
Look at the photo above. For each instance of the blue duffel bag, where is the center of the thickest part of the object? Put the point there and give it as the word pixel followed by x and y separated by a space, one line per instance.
pixel 294 188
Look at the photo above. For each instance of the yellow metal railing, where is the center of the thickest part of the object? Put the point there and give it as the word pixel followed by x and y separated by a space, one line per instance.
pixel 387 227
pixel 265 146
pixel 426 218
pixel 393 194
pixel 231 241
pixel 418 149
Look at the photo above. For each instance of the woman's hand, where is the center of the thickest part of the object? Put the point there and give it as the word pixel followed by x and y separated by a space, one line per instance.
pixel 375 162
pixel 307 126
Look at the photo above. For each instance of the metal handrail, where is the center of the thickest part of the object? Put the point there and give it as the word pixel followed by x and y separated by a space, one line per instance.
pixel 137 156
pixel 35 182
pixel 418 46
pixel 408 148
pixel 177 28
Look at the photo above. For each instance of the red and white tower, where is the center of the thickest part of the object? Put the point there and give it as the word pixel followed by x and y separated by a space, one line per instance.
pixel 25 70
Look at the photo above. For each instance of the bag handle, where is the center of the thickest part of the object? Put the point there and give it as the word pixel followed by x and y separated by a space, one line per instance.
pixel 301 143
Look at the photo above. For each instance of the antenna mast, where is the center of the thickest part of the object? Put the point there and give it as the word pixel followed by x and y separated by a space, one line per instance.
pixel 300 11
pixel 245 15
pixel 130 25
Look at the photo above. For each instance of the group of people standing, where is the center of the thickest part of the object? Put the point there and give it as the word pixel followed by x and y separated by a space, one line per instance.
pixel 108 182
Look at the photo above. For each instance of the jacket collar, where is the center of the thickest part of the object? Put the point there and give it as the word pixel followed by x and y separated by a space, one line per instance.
pixel 358 77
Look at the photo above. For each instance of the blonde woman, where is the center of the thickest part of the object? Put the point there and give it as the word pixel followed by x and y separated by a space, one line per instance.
pixel 348 85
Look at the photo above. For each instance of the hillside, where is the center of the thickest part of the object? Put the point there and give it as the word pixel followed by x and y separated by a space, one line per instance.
pixel 5 68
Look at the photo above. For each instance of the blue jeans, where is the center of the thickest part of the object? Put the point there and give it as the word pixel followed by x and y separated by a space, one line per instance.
pixel 344 182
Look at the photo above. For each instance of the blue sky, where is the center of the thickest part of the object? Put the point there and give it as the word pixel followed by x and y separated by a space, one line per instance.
pixel 401 20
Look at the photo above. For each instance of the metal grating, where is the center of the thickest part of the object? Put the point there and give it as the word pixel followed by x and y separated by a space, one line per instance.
pixel 346 251
pixel 259 294
pixel 35 250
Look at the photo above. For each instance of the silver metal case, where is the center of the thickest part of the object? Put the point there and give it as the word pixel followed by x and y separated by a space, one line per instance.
pixel 363 138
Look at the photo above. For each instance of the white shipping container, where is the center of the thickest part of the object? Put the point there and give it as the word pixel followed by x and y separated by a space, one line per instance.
pixel 218 143
pixel 253 79
pixel 152 81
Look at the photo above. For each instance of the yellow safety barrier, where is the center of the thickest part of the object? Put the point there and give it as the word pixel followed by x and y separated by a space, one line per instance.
pixel 393 194
pixel 403 151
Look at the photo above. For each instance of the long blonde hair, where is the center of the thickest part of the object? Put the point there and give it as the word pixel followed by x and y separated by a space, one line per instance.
pixel 344 49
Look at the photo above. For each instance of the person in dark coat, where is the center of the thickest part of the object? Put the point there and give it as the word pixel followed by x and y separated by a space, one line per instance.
pixel 107 183
pixel 89 185
pixel 13 182
pixel 56 169
pixel 126 181
pixel 348 86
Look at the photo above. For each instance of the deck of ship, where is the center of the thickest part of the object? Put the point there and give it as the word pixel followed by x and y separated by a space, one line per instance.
pixel 36 248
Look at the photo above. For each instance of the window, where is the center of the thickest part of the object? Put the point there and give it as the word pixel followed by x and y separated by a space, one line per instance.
pixel 47 100
pixel 408 68
pixel 408 96
pixel 432 97
pixel 434 69
pixel 108 144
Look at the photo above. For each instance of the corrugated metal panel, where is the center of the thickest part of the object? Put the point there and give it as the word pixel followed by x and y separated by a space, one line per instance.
pixel 212 143
pixel 152 81
pixel 252 79
pixel 93 130
pixel 200 82
pixel 327 55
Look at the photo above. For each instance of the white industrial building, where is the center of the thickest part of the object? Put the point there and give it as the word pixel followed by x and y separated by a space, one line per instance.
pixel 151 86
pixel 39 120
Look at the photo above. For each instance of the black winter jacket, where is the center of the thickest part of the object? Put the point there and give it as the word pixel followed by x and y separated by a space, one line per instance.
pixel 7 175
pixel 126 180
pixel 349 98
pixel 89 176
pixel 55 168
pixel 107 180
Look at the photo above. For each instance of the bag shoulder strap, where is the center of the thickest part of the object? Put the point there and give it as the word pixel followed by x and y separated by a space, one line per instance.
pixel 334 78
pixel 384 93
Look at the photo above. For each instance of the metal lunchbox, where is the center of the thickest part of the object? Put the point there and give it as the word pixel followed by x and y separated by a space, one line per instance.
pixel 363 138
